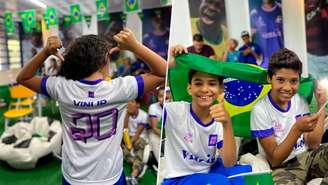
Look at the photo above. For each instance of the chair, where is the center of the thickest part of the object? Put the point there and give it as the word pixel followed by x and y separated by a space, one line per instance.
pixel 21 107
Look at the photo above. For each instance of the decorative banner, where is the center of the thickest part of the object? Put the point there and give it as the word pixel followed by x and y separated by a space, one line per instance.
pixel 51 16
pixel 67 21
pixel 131 6
pixel 75 13
pixel 102 12
pixel 38 27
pixel 210 20
pixel 28 20
pixel 266 26
pixel 240 95
pixel 9 24
pixel 141 15
pixel 87 19
pixel 123 17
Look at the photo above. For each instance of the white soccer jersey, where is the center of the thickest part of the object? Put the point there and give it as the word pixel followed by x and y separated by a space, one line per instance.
pixel 191 146
pixel 268 119
pixel 90 111
pixel 155 110
pixel 134 122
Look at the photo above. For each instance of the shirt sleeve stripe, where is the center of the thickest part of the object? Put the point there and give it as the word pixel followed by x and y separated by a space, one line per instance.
pixel 152 116
pixel 262 133
pixel 140 83
pixel 43 86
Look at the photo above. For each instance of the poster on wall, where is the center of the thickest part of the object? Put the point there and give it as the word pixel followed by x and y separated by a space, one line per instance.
pixel 209 19
pixel 32 43
pixel 266 26
pixel 69 31
pixel 316 25
pixel 156 29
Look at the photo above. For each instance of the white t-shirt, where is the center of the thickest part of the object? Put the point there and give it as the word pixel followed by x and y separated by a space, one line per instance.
pixel 90 111
pixel 191 146
pixel 268 119
pixel 155 110
pixel 134 122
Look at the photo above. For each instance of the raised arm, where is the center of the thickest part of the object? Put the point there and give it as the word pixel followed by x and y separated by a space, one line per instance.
pixel 27 76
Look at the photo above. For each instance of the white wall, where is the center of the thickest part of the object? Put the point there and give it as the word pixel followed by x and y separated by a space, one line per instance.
pixel 294 29
pixel 93 28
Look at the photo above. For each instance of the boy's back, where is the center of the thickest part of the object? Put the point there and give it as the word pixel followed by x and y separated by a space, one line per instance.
pixel 90 111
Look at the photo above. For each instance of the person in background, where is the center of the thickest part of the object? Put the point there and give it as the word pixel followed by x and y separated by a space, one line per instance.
pixel 231 55
pixel 198 47
pixel 251 53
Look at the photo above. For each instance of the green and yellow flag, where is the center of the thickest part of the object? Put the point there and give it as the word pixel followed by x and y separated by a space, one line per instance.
pixel 9 23
pixel 102 13
pixel 244 85
pixel 28 20
pixel 131 6
pixel 67 21
pixel 88 19
pixel 76 16
pixel 51 16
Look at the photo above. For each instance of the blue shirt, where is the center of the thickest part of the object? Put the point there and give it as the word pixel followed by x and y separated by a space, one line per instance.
pixel 157 43
pixel 249 59
pixel 233 56
pixel 269 31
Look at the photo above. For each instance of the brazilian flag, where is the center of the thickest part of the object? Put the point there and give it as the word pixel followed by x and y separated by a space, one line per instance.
pixel 9 23
pixel 67 21
pixel 76 16
pixel 51 16
pixel 252 178
pixel 244 85
pixel 102 13
pixel 28 20
pixel 131 6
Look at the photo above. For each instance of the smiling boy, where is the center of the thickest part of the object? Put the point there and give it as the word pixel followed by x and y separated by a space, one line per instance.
pixel 288 135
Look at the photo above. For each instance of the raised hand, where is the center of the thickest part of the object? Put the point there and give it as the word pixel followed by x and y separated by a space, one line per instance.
pixel 53 45
pixel 126 40
pixel 307 123
pixel 219 113
pixel 174 51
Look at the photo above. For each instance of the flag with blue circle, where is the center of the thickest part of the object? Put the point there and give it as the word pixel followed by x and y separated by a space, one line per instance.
pixel 51 16
pixel 9 23
pixel 28 20
pixel 131 6
pixel 76 16
pixel 102 10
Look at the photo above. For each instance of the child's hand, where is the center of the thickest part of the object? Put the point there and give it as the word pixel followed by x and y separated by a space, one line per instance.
pixel 52 46
pixel 126 40
pixel 174 51
pixel 219 113
pixel 320 95
pixel 307 123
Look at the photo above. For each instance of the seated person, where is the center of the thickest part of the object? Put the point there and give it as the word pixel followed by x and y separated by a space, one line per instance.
pixel 288 134
pixel 250 52
pixel 135 120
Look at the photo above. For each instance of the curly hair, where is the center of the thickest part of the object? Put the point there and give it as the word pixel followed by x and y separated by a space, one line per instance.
pixel 84 56
pixel 284 58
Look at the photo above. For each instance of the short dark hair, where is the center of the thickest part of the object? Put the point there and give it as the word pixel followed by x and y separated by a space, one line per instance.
pixel 284 58
pixel 198 37
pixel 192 72
pixel 84 56
pixel 235 42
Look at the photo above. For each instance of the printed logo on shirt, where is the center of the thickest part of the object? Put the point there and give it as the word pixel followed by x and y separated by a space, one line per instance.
pixel 300 143
pixel 212 140
pixel 209 159
pixel 188 137
pixel 278 127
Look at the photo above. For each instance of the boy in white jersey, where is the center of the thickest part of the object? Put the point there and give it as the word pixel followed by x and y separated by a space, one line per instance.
pixel 196 132
pixel 288 135
pixel 155 113
pixel 90 106
pixel 136 121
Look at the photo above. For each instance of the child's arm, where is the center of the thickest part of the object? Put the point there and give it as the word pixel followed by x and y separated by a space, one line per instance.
pixel 136 136
pixel 313 139
pixel 26 75
pixel 153 124
pixel 228 151
pixel 275 153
